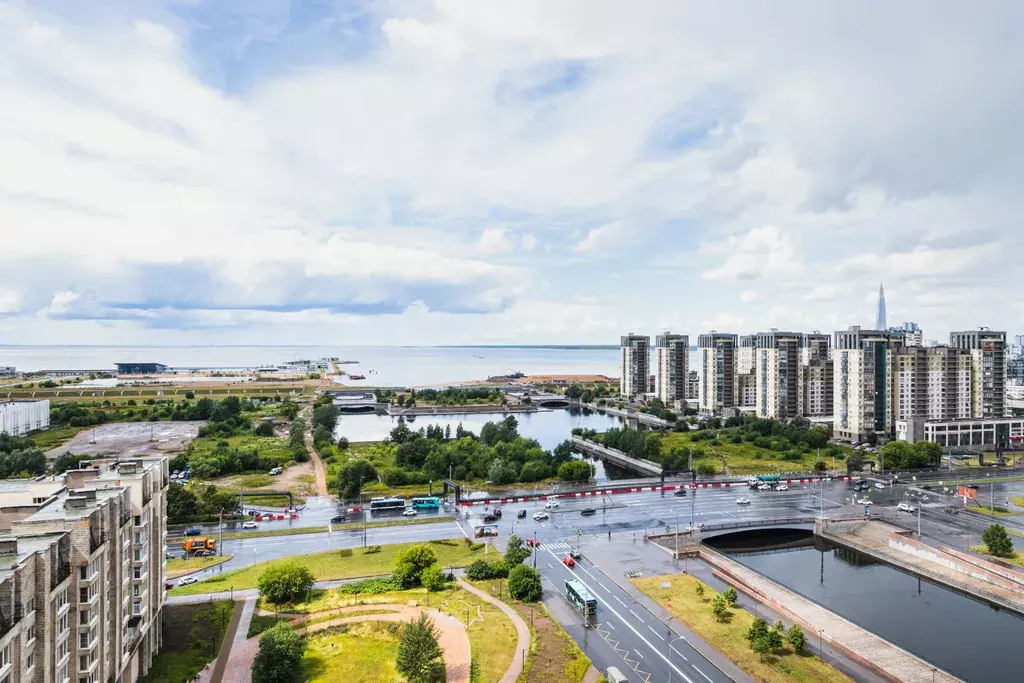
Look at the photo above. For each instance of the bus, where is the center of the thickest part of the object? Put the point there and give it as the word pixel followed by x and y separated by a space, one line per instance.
pixel 580 597
pixel 426 502
pixel 387 504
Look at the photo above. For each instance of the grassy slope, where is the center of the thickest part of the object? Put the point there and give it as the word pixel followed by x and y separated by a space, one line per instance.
pixel 741 457
pixel 492 640
pixel 292 531
pixel 338 564
pixel 729 637
pixel 180 567
pixel 51 438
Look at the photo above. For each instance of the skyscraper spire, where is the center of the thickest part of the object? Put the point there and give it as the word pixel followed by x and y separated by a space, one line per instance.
pixel 880 318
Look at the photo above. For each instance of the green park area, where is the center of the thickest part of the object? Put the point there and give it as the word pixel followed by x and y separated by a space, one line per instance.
pixel 180 566
pixel 770 658
pixel 192 636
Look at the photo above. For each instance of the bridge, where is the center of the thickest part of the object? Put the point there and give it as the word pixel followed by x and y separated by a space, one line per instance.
pixel 616 457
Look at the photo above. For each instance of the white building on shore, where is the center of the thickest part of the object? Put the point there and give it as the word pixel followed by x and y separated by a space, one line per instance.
pixel 18 418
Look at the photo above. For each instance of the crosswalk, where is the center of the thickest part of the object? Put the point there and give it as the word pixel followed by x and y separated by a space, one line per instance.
pixel 557 545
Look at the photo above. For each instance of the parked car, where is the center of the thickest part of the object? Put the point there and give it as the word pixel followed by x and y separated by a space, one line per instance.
pixel 522 514
pixel 188 580
pixel 193 531
pixel 568 561
pixel 904 507
pixel 338 519
pixel 679 492
pixel 781 487
pixel 743 501
pixel 550 504
pixel 586 512
pixel 276 471
pixel 540 515
pixel 411 512
pixel 250 525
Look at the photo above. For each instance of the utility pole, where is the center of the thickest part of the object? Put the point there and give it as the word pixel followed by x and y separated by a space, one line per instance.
pixel 534 547
pixel 220 531
pixel 918 519
pixel 992 498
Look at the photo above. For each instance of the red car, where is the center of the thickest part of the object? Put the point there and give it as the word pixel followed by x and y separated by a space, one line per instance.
pixel 532 543
pixel 568 561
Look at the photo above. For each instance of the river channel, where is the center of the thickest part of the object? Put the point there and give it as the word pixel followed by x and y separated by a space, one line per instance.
pixel 967 638
pixel 548 427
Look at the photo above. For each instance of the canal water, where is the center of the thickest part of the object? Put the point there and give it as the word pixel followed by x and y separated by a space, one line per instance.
pixel 548 427
pixel 967 638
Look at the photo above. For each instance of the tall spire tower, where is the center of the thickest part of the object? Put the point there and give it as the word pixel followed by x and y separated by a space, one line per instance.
pixel 880 318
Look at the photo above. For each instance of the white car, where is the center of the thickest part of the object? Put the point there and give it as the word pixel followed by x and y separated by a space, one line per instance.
pixel 903 507
pixel 409 512
pixel 187 580
pixel 538 516
pixel 865 501
pixel 764 487
pixel 781 487
pixel 879 485
pixel 276 471
pixel 550 504
pixel 743 501
pixel 250 525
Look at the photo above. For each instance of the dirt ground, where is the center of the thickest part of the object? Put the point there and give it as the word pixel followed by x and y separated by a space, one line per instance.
pixel 131 439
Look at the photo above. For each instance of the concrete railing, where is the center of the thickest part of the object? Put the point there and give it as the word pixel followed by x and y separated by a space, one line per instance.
pixel 617 457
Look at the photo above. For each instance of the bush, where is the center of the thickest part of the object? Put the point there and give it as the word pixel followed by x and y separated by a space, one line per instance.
pixel 706 468
pixel 280 656
pixel 797 639
pixel 286 582
pixel 371 549
pixel 343 443
pixel 370 587
pixel 481 570
pixel 410 563
pixel 524 583
pixel 718 608
pixel 730 596
pixel 265 428
pixel 998 540
pixel 433 578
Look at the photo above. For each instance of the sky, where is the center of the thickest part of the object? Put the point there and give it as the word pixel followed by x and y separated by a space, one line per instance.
pixel 477 172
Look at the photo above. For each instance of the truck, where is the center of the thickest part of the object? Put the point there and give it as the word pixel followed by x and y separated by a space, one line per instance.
pixel 199 546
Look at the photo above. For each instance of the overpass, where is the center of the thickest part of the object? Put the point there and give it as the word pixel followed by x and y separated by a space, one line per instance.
pixel 616 457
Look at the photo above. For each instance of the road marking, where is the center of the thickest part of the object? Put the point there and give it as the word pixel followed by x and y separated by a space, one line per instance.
pixel 638 654
pixel 620 601
pixel 610 624
pixel 549 566
pixel 603 587
pixel 588 573
pixel 656 633
pixel 679 653
pixel 702 673
pixel 637 616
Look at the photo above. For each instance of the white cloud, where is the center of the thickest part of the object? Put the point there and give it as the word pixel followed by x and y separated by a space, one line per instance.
pixel 824 292
pixel 723 322
pixel 496 241
pixel 9 301
pixel 606 237
pixel 528 242
pixel 761 252
pixel 749 295
pixel 61 303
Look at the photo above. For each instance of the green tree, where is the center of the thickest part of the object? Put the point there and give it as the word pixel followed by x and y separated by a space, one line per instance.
pixel 419 655
pixel 575 470
pixel 433 578
pixel 700 590
pixel 730 596
pixel 524 583
pixel 761 646
pixel 797 639
pixel 998 540
pixel 352 475
pixel 325 416
pixel 516 551
pixel 775 639
pixel 264 428
pixel 758 628
pixel 718 608
pixel 65 462
pixel 286 582
pixel 279 658
pixel 779 626
pixel 410 563
pixel 574 391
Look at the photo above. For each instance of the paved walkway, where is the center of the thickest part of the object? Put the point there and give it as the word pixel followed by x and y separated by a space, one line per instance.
pixel 522 631
pixel 862 646
pixel 238 668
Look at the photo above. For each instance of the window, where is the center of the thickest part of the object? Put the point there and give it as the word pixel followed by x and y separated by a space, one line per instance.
pixel 5 657
pixel 62 674
pixel 30 661
pixel 30 634
pixel 62 652
pixel 30 606
pixel 62 624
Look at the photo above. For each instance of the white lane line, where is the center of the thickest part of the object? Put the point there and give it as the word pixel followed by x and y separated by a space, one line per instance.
pixel 549 566
pixel 679 653
pixel 638 654
pixel 589 574
pixel 637 616
pixel 603 587
pixel 656 633
pixel 702 673
pixel 620 601
pixel 640 635
pixel 610 623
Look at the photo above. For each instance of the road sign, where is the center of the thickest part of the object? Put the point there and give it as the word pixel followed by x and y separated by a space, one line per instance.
pixel 666 584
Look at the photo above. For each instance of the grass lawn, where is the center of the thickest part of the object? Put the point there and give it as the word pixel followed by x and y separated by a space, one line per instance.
pixel 192 637
pixel 292 531
pixel 554 656
pixel 345 563
pixel 358 653
pixel 730 637
pixel 273 447
pixel 996 512
pixel 744 458
pixel 1018 501
pixel 178 567
pixel 1017 558
pixel 492 637
pixel 260 623
pixel 55 436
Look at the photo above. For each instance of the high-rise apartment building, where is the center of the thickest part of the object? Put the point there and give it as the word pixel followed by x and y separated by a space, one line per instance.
pixel 717 370
pixel 692 386
pixel 817 374
pixel 81 575
pixel 634 365
pixel 932 383
pixel 912 334
pixel 862 382
pixel 745 354
pixel 988 370
pixel 778 372
pixel 671 366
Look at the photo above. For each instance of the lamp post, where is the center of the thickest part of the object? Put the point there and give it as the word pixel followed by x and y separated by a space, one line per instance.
pixel 821 652
pixel 670 651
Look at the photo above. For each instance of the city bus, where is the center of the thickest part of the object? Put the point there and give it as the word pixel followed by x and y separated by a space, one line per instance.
pixel 580 597
pixel 426 502
pixel 387 504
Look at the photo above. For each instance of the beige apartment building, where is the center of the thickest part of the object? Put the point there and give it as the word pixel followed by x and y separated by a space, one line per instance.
pixel 717 371
pixel 778 372
pixel 81 573
pixel 862 368
pixel 671 366
pixel 988 370
pixel 932 383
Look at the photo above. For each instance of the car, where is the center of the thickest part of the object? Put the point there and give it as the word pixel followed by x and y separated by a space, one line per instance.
pixel 490 519
pixel 586 512
pixel 188 580
pixel 497 513
pixel 337 519
pixel 743 501
pixel 193 531
pixel 250 525
pixel 865 501
pixel 575 554
pixel 168 585
pixel 521 514
pixel 568 561
pixel 764 487
pixel 679 492
pixel 540 515
pixel 879 485
pixel 781 487
pixel 532 543
pixel 551 504
pixel 203 553
pixel 904 507
pixel 276 471
pixel 411 512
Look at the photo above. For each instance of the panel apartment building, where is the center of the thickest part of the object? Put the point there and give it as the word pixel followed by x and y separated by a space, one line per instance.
pixel 778 372
pixel 817 374
pixel 671 367
pixel 862 382
pixel 932 383
pixel 81 573
pixel 717 371
pixel 634 365
pixel 988 370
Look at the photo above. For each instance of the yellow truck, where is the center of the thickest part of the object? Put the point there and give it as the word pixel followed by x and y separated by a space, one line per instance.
pixel 199 546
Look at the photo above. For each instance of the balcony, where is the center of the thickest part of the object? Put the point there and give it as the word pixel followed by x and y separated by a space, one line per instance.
pixel 88 598
pixel 85 645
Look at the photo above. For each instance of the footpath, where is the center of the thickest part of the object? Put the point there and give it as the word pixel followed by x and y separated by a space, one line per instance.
pixel 318 464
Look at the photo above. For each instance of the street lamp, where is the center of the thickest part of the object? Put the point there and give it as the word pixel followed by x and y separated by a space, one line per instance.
pixel 670 650
pixel 821 652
